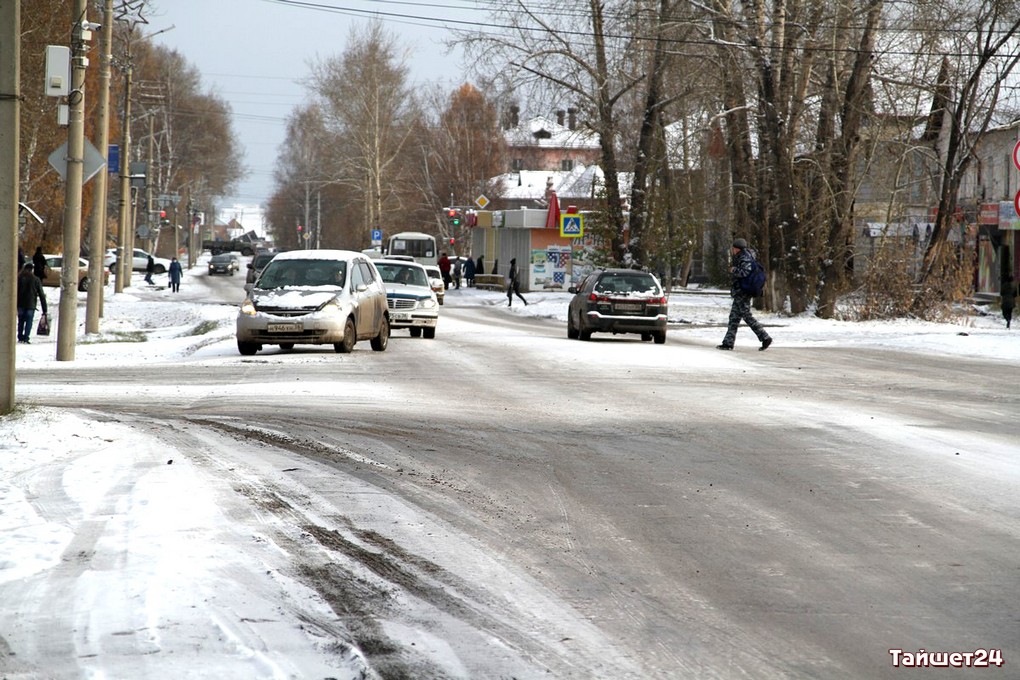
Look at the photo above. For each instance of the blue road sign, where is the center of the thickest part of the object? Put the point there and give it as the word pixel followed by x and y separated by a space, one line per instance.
pixel 376 237
pixel 571 225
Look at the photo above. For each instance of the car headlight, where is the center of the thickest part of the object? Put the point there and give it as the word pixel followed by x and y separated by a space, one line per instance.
pixel 427 303
pixel 330 307
pixel 248 308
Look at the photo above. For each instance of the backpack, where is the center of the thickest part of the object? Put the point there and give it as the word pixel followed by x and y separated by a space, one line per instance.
pixel 753 283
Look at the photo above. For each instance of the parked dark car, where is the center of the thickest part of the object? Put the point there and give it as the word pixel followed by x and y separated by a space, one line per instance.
pixel 618 301
pixel 222 264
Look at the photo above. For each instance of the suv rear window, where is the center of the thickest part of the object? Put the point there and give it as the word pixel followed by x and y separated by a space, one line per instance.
pixel 627 283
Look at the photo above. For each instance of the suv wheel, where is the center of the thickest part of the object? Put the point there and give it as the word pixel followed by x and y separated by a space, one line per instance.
pixel 571 328
pixel 430 333
pixel 660 338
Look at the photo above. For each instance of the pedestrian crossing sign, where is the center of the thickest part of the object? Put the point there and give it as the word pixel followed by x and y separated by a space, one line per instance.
pixel 571 225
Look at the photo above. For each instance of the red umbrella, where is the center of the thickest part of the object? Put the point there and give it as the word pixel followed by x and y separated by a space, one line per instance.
pixel 552 218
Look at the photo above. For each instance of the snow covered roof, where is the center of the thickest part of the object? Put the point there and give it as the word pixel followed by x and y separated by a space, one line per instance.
pixel 582 183
pixel 544 133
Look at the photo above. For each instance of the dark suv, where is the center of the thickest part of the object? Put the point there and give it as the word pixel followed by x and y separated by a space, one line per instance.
pixel 257 264
pixel 618 301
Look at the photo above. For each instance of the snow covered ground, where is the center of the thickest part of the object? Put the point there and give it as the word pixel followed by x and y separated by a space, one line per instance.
pixel 52 461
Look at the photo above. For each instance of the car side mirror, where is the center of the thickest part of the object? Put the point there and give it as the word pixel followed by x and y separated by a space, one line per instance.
pixel 572 290
pixel 249 265
pixel 361 287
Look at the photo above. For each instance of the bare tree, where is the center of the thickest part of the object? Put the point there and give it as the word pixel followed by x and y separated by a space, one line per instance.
pixel 368 104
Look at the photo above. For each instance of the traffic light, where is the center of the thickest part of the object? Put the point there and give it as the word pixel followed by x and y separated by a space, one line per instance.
pixel 453 241
pixel 453 217
pixel 163 221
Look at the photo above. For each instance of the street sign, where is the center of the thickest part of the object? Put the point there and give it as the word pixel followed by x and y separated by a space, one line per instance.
pixel 1016 203
pixel 1016 155
pixel 93 161
pixel 377 237
pixel 482 201
pixel 571 225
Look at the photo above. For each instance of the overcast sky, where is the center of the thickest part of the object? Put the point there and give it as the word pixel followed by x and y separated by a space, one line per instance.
pixel 254 53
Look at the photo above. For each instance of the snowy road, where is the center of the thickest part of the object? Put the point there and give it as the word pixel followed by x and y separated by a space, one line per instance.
pixel 503 502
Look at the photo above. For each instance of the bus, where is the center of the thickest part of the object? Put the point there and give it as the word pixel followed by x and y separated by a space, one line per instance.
pixel 420 246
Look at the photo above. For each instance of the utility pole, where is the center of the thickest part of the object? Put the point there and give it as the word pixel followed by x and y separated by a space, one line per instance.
pixel 125 256
pixel 10 135
pixel 67 325
pixel 97 232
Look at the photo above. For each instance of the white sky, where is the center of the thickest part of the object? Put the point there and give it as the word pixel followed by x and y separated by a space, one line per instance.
pixel 206 594
pixel 254 54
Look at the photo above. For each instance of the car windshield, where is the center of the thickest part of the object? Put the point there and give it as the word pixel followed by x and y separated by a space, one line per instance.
pixel 262 260
pixel 627 283
pixel 398 273
pixel 284 273
pixel 221 258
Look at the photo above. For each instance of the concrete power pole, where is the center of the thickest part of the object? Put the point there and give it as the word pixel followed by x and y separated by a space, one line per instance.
pixel 125 256
pixel 67 324
pixel 97 232
pixel 10 136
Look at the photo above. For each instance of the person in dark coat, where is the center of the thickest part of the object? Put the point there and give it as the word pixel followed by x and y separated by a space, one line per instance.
pixel 39 261
pixel 514 284
pixel 742 263
pixel 469 272
pixel 21 259
pixel 444 269
pixel 175 275
pixel 150 267
pixel 1008 298
pixel 480 265
pixel 30 291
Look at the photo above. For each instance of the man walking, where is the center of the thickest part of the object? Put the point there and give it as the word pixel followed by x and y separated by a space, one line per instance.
pixel 742 263
pixel 150 268
pixel 29 292
pixel 513 286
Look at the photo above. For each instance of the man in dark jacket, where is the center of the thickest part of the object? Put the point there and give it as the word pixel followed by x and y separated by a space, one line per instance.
pixel 150 268
pixel 513 285
pixel 742 263
pixel 30 291
pixel 39 261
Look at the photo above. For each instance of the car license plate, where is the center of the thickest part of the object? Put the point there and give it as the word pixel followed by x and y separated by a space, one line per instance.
pixel 284 328
pixel 401 316
pixel 628 307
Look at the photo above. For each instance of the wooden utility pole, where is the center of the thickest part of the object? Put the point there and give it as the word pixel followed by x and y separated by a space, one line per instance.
pixel 10 110
pixel 125 256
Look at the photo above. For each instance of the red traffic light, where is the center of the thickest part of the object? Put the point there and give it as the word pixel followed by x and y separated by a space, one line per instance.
pixel 299 227
pixel 162 214
pixel 452 240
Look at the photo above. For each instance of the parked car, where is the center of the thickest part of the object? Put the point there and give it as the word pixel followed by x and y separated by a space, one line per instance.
pixel 54 263
pixel 618 301
pixel 139 261
pixel 409 297
pixel 222 264
pixel 436 281
pixel 315 297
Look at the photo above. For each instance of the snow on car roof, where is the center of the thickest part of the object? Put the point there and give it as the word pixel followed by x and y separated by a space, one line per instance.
pixel 318 255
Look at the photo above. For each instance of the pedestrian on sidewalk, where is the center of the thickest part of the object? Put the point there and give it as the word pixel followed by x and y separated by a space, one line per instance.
pixel 30 291
pixel 513 286
pixel 175 275
pixel 742 262
pixel 150 268
pixel 1008 298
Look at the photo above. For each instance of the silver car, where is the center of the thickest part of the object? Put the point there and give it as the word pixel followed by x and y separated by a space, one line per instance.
pixel 412 303
pixel 315 297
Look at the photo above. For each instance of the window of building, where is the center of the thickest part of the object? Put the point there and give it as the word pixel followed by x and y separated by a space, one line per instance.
pixel 517 164
pixel 566 164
